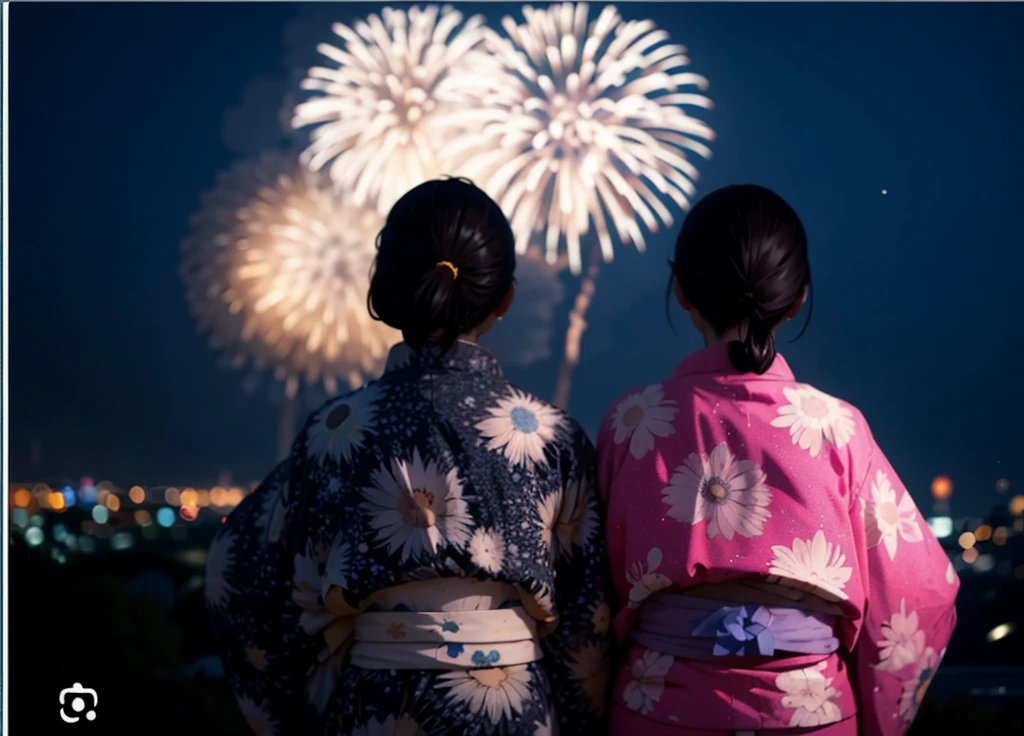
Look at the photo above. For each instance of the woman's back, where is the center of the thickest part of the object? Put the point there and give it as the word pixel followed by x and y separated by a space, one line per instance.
pixel 773 572
pixel 429 560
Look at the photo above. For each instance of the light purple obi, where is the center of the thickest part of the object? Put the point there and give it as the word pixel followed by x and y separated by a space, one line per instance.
pixel 700 628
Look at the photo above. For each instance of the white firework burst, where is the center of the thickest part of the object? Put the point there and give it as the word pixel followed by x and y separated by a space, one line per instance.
pixel 388 104
pixel 277 267
pixel 586 126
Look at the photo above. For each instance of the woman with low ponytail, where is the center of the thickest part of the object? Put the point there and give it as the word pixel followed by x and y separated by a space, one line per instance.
pixel 774 574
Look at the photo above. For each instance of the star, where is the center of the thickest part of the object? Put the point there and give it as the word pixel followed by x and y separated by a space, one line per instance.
pixel 885 191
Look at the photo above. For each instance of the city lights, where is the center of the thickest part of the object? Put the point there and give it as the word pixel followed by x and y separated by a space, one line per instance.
pixel 1001 632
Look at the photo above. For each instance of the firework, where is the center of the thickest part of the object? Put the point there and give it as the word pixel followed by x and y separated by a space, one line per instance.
pixel 277 268
pixel 390 100
pixel 585 128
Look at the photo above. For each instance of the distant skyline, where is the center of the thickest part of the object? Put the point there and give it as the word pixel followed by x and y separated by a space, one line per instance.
pixel 121 114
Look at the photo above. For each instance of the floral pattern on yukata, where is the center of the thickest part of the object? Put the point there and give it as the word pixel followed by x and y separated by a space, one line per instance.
pixel 439 469
pixel 772 487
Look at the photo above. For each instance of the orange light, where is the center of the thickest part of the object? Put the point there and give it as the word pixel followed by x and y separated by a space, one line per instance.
pixel 172 497
pixel 137 495
pixel 22 499
pixel 967 540
pixel 983 533
pixel 970 556
pixel 101 497
pixel 142 517
pixel 113 502
pixel 999 535
pixel 189 497
pixel 942 487
pixel 203 498
pixel 1017 505
pixel 56 501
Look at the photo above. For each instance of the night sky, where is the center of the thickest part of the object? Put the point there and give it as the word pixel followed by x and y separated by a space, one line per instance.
pixel 121 114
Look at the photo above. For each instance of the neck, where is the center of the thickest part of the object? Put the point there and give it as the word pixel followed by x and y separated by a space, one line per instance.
pixel 733 334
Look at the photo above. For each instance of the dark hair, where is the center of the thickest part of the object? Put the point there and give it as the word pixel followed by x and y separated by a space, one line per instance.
pixel 445 221
pixel 741 258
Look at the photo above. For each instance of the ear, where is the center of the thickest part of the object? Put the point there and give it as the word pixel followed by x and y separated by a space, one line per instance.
pixel 680 296
pixel 506 302
pixel 797 306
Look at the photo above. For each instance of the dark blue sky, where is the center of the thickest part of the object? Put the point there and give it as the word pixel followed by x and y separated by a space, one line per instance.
pixel 117 123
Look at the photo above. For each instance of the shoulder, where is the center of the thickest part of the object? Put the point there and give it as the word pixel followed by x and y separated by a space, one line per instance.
pixel 658 401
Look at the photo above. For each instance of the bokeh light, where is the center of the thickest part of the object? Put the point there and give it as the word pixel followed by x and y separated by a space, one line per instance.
pixel 22 498
pixel 165 517
pixel 1002 485
pixel 113 502
pixel 983 533
pixel 100 514
pixel 1017 505
pixel 34 536
pixel 189 513
pixel 142 518
pixel 172 497
pixel 971 555
pixel 942 487
pixel 967 540
pixel 1001 632
pixel 137 495
pixel 1000 535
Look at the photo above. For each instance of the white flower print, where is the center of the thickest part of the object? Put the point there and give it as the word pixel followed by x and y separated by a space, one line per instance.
pixel 644 579
pixel 729 494
pixel 341 426
pixel 641 417
pixel 338 561
pixel 219 560
pixel 567 519
pixel 415 508
pixel 390 726
pixel 321 681
pixel 588 666
pixel 902 642
pixel 257 716
pixel 648 683
pixel 811 695
pixel 887 520
pixel 498 691
pixel 915 688
pixel 816 563
pixel 813 418
pixel 951 577
pixel 545 727
pixel 487 550
pixel 521 427
pixel 307 584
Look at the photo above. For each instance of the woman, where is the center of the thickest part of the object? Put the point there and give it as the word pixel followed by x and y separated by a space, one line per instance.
pixel 430 560
pixel 776 575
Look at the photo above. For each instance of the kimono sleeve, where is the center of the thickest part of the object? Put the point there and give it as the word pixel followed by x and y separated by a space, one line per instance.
pixel 253 608
pixel 577 652
pixel 910 597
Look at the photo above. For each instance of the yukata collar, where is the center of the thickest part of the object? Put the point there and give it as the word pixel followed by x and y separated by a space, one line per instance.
pixel 714 361
pixel 462 356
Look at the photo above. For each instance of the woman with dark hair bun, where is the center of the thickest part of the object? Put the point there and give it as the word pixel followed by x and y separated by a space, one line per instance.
pixel 776 576
pixel 430 560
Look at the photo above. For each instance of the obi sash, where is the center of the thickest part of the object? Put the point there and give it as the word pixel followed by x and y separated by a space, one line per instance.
pixel 704 628
pixel 447 625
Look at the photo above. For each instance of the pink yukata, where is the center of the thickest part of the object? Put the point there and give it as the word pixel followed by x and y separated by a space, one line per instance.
pixel 773 573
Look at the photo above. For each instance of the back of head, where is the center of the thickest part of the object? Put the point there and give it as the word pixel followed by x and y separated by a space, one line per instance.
pixel 741 259
pixel 445 261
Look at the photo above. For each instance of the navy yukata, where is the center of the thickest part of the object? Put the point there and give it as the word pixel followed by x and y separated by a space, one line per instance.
pixel 440 475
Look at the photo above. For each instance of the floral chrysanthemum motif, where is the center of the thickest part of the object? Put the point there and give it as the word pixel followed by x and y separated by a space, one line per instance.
pixel 585 128
pixel 276 268
pixel 385 102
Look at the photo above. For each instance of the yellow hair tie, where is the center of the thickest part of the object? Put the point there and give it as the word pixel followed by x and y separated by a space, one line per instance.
pixel 452 266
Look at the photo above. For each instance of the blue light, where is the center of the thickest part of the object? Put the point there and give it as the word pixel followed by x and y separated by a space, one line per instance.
pixel 59 532
pixel 120 541
pixel 69 496
pixel 100 514
pixel 87 544
pixel 34 536
pixel 19 517
pixel 88 494
pixel 165 517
